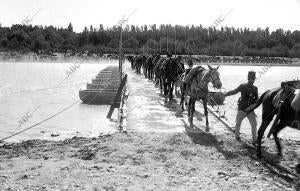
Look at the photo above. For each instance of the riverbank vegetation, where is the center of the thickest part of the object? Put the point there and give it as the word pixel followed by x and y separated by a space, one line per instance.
pixel 195 40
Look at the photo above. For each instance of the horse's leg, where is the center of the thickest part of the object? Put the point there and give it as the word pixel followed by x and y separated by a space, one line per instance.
pixel 149 73
pixel 160 84
pixel 189 108
pixel 156 80
pixel 171 85
pixel 165 87
pixel 182 99
pixel 275 123
pixel 169 90
pixel 206 114
pixel 145 71
pixel 193 101
pixel 275 132
pixel 182 89
pixel 266 120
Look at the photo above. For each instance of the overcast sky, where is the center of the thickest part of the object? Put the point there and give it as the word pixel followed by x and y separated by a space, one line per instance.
pixel 240 13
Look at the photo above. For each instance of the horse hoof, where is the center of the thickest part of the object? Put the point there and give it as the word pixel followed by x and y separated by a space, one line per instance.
pixel 207 129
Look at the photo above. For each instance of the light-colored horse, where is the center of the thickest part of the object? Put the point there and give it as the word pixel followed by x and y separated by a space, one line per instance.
pixel 199 90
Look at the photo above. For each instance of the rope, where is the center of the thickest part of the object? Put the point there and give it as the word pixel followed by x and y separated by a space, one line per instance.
pixel 40 121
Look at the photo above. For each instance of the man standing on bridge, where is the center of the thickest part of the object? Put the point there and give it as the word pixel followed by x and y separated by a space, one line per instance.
pixel 249 95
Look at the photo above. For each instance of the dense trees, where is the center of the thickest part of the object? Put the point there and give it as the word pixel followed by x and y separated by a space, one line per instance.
pixel 152 39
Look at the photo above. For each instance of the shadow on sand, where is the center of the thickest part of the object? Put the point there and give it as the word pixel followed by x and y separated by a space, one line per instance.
pixel 206 139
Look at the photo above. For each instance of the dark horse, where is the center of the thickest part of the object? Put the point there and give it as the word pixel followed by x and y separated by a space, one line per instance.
pixel 138 62
pixel 157 71
pixel 199 90
pixel 130 58
pixel 172 68
pixel 152 65
pixel 286 114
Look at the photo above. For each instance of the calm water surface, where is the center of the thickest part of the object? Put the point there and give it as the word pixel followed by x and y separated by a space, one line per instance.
pixel 24 87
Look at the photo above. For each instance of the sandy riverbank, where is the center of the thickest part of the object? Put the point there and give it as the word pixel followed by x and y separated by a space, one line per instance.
pixel 135 161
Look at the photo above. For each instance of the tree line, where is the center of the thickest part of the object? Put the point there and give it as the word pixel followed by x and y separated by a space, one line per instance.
pixel 162 39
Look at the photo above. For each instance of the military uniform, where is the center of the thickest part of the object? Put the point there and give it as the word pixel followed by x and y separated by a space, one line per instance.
pixel 249 95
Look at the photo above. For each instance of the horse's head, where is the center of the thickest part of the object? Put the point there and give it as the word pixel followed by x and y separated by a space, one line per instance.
pixel 214 77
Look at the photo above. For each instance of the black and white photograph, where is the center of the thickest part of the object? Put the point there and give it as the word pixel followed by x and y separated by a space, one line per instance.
pixel 155 95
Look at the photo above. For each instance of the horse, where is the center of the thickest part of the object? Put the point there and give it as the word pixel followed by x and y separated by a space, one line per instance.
pixel 152 65
pixel 146 65
pixel 157 72
pixel 286 115
pixel 139 60
pixel 171 69
pixel 130 58
pixel 199 90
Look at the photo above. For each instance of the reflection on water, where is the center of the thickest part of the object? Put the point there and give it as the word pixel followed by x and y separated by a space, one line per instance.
pixel 25 86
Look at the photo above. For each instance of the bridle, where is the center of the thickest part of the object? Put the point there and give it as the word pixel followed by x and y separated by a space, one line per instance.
pixel 212 79
pixel 208 77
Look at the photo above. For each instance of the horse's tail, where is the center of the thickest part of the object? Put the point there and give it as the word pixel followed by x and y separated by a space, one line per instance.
pixel 257 103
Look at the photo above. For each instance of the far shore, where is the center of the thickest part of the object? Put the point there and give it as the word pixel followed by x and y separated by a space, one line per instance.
pixel 92 60
pixel 65 58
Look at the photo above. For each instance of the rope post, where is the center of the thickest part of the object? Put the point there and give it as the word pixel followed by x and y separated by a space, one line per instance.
pixel 175 40
pixel 120 54
pixel 117 97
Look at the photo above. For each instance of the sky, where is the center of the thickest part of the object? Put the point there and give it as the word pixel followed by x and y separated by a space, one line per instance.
pixel 233 13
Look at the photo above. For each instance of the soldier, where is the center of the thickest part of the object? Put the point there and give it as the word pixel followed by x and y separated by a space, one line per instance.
pixel 249 95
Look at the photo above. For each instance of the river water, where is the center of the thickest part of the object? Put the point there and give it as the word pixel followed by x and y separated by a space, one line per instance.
pixel 35 90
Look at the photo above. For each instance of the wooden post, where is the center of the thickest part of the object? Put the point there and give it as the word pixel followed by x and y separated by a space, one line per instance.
pixel 167 41
pixel 120 53
pixel 175 40
pixel 117 97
